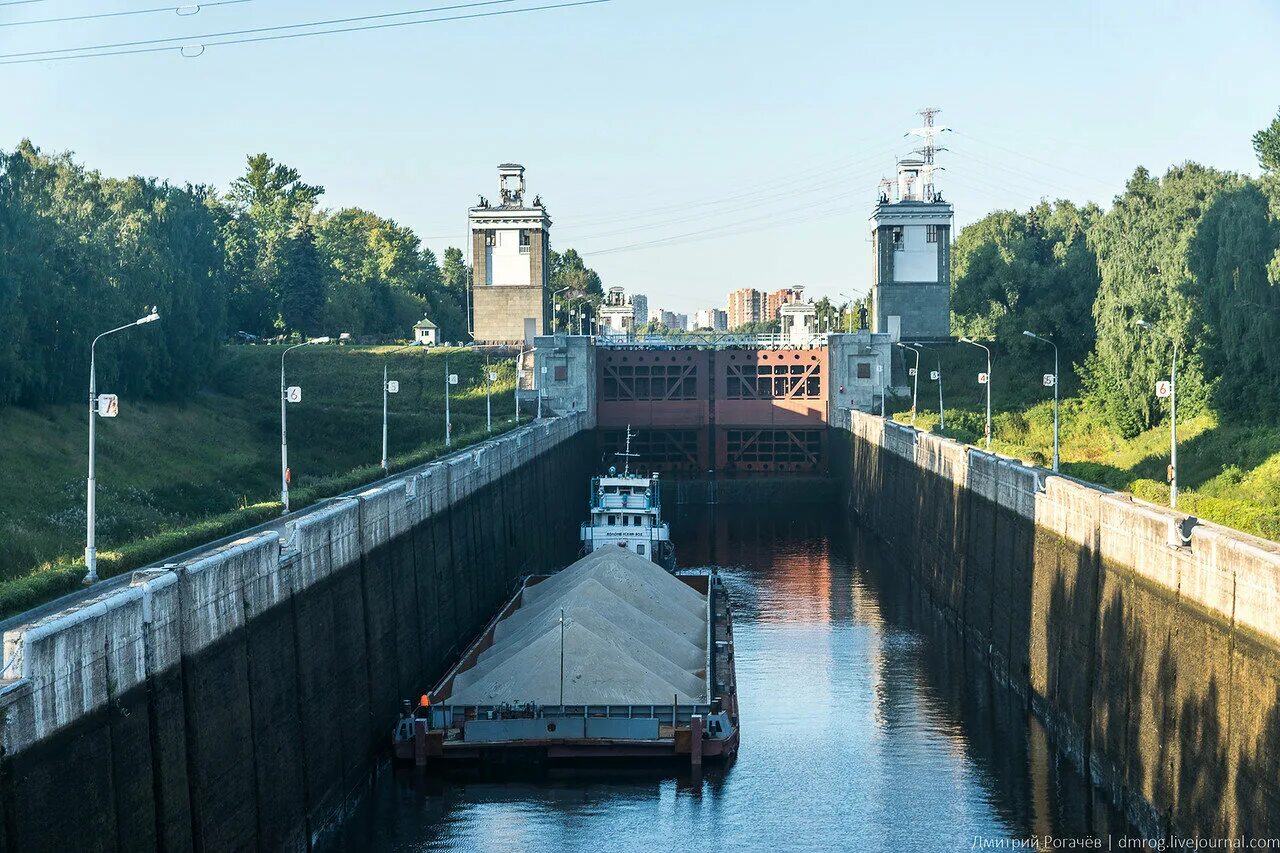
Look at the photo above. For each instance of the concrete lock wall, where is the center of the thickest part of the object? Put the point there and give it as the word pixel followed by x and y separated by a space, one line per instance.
pixel 241 699
pixel 1149 644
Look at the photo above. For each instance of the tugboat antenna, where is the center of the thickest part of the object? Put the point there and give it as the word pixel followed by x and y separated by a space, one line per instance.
pixel 627 454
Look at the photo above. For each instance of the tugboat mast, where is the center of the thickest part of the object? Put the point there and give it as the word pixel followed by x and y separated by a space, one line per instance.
pixel 627 454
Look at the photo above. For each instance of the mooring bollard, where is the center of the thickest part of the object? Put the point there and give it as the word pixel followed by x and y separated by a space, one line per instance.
pixel 695 740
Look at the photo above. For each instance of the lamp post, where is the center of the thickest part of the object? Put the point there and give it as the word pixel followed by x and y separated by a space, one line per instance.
pixel 1173 416
pixel 1055 393
pixel 488 394
pixel 448 423
pixel 91 508
pixel 848 317
pixel 284 442
pixel 555 314
pixel 942 412
pixel 988 384
pixel 386 389
pixel 915 377
pixel 519 376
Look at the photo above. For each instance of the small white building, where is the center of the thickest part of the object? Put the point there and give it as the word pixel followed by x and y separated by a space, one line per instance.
pixel 617 314
pixel 426 333
pixel 799 322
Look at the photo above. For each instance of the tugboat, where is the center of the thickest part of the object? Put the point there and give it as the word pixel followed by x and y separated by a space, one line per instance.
pixel 626 511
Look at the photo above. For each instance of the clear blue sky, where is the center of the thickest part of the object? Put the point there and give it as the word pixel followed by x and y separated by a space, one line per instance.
pixel 645 114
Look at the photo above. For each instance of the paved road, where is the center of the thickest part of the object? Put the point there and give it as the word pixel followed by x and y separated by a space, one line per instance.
pixel 276 524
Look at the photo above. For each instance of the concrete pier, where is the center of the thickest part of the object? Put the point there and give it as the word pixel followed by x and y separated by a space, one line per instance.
pixel 239 700
pixel 1149 643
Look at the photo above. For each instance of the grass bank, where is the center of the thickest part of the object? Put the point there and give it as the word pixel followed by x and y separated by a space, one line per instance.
pixel 173 475
pixel 1228 473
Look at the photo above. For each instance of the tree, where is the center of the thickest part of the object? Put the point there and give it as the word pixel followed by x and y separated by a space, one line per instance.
pixel 455 274
pixel 1143 247
pixel 1017 271
pixel 301 281
pixel 266 204
pixel 1266 143
pixel 569 270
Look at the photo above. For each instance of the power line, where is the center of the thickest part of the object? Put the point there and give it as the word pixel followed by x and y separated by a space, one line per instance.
pixel 1108 184
pixel 20 2
pixel 823 187
pixel 253 31
pixel 177 10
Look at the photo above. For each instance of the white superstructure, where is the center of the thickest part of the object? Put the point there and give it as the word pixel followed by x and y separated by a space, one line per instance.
pixel 626 512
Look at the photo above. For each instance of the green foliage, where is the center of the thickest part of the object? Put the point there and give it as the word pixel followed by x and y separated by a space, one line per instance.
pixel 80 254
pixel 1028 271
pixel 759 327
pixel 1266 143
pixel 569 270
pixel 1143 245
pixel 300 281
pixel 1238 304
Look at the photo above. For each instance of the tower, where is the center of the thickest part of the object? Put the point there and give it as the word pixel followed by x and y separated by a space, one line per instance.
pixel 911 239
pixel 509 247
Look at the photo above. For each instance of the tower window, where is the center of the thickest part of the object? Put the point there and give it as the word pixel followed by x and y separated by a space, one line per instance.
pixel 491 237
pixel 931 233
pixel 864 370
pixel 898 245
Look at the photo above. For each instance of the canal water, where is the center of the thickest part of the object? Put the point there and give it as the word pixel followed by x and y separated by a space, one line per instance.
pixel 864 727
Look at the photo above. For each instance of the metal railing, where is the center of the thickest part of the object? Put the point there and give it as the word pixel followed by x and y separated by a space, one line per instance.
pixel 710 340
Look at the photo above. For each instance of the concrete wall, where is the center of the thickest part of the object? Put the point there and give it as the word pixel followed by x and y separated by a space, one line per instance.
pixel 1153 660
pixel 240 700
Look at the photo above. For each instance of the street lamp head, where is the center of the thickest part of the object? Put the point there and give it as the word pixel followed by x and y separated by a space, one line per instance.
pixel 966 340
pixel 150 318
pixel 1143 324
pixel 323 340
pixel 1030 334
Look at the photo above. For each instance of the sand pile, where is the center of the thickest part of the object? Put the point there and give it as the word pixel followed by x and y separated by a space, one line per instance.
pixel 633 634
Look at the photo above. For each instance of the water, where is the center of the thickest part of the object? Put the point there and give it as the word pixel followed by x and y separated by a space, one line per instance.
pixel 864 727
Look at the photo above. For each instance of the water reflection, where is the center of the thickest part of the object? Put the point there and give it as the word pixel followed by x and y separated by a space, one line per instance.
pixel 865 727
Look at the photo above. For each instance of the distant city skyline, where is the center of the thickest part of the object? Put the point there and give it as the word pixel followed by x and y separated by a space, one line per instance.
pixel 412 122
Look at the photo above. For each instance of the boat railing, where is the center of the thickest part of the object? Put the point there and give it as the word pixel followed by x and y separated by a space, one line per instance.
pixel 614 501
pixel 448 716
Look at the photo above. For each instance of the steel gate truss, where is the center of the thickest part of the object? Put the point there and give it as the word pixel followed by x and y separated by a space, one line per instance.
pixel 774 381
pixel 768 448
pixel 627 382
pixel 656 449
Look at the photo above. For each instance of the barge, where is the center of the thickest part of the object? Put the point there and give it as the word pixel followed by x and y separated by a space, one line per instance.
pixel 613 657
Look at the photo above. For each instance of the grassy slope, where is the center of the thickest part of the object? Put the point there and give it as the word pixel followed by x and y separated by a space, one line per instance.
pixel 171 475
pixel 1228 472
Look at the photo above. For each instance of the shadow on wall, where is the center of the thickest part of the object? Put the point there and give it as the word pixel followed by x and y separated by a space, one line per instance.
pixel 1137 655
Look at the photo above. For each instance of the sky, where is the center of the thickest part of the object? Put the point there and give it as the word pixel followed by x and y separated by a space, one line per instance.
pixel 685 147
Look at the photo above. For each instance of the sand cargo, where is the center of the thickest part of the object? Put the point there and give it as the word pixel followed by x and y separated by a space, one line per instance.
pixel 613 657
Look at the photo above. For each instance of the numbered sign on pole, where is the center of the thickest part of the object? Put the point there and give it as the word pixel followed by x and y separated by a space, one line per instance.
pixel 393 386
pixel 982 378
pixel 911 371
pixel 293 394
pixel 108 405
pixel 933 374
pixel 1163 389
pixel 493 376
pixel 1050 380
pixel 453 379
